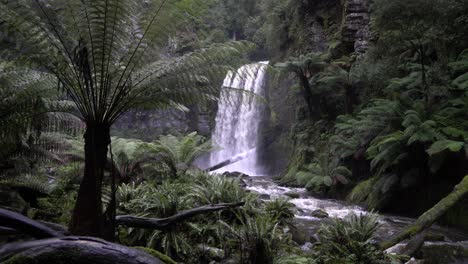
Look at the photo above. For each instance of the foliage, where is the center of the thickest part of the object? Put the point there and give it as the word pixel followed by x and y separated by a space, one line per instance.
pixel 257 238
pixel 322 175
pixel 280 209
pixel 349 240
pixel 108 58
pixel 190 190
pixel 179 152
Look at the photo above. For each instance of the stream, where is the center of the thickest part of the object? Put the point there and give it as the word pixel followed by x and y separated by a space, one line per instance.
pixel 236 138
pixel 307 224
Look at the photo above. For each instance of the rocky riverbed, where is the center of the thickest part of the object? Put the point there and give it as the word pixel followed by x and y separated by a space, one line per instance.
pixel 443 245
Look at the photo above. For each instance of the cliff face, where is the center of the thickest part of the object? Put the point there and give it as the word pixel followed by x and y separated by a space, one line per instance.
pixel 355 28
pixel 148 125
pixel 345 22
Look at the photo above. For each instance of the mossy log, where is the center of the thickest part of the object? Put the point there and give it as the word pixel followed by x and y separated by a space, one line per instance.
pixel 164 223
pixel 432 215
pixel 25 225
pixel 15 223
pixel 73 250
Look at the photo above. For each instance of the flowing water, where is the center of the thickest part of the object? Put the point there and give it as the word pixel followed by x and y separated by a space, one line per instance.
pixel 307 204
pixel 236 136
pixel 237 120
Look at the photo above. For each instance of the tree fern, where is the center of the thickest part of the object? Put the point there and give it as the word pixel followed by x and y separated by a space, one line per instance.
pixel 108 57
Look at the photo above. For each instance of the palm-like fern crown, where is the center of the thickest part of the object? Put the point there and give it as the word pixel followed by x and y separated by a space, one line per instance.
pixel 107 53
pixel 29 125
pixel 305 65
pixel 181 149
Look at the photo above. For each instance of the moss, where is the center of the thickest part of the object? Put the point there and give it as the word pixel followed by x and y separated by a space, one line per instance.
pixel 361 192
pixel 293 260
pixel 19 259
pixel 50 257
pixel 457 216
pixel 164 258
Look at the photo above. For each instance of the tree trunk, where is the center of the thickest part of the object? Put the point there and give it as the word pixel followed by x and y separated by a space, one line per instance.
pixel 429 217
pixel 350 99
pixel 313 104
pixel 87 216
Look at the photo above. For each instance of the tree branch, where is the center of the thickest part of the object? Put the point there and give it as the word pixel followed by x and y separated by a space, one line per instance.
pixel 432 215
pixel 164 223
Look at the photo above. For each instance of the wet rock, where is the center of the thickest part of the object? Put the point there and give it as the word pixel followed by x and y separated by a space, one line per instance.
pixel 242 183
pixel 444 252
pixel 319 213
pixel 396 249
pixel 264 196
pixel 307 247
pixel 235 174
pixel 416 261
pixel 212 252
pixel 415 244
pixel 434 237
pixel 293 195
pixel 300 235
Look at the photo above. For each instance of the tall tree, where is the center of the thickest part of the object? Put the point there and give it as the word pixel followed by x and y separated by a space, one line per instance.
pixel 108 57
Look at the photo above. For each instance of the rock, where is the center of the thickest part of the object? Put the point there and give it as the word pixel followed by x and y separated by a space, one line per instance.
pixel 235 174
pixel 416 261
pixel 396 249
pixel 293 195
pixel 300 236
pixel 434 237
pixel 242 183
pixel 415 244
pixel 319 213
pixel 212 252
pixel 307 247
pixel 264 196
pixel 305 231
pixel 444 252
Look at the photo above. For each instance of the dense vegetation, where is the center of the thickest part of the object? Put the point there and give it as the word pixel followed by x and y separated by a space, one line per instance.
pixel 391 122
pixel 385 128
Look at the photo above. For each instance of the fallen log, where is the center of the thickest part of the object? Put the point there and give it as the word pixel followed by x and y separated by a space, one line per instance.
pixel 25 225
pixel 6 231
pixel 73 250
pixel 230 161
pixel 164 223
pixel 430 216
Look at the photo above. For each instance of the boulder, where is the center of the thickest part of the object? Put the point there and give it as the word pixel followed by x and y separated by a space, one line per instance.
pixel 444 252
pixel 319 213
pixel 264 196
pixel 242 183
pixel 293 195
pixel 212 252
pixel 235 174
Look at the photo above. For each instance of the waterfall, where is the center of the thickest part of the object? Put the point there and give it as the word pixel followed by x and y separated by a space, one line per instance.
pixel 238 118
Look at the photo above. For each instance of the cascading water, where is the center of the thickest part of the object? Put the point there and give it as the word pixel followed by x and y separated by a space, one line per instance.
pixel 236 135
pixel 238 118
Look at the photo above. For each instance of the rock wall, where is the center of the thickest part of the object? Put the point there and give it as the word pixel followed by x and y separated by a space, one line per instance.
pixel 148 125
pixel 355 30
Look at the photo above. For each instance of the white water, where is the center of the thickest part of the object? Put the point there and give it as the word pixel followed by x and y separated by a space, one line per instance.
pixel 238 118
pixel 236 136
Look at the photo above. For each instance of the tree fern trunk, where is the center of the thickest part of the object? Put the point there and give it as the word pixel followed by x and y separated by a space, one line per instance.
pixel 313 104
pixel 87 216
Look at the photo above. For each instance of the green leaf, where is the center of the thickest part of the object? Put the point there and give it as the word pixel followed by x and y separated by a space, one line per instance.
pixel 443 145
pixel 328 181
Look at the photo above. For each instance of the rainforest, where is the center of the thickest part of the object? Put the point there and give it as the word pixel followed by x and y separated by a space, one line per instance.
pixel 234 131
